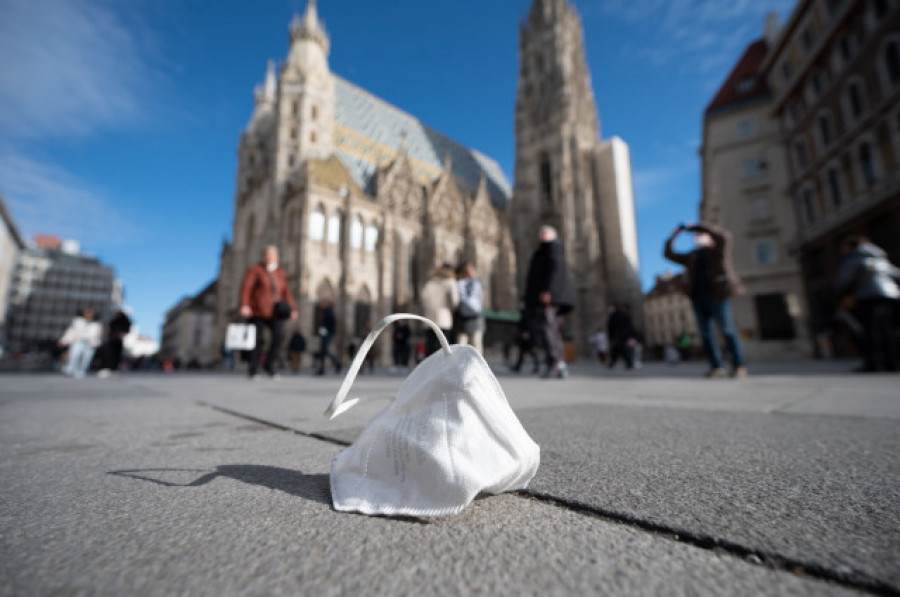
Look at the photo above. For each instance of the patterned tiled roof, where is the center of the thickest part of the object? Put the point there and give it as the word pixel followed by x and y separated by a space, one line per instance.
pixel 369 131
pixel 745 81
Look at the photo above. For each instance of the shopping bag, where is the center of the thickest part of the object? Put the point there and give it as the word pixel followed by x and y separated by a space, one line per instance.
pixel 240 336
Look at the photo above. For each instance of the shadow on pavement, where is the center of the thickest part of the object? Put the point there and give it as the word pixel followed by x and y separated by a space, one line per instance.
pixel 311 487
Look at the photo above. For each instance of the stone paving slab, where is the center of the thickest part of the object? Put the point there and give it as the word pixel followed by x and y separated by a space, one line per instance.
pixel 163 496
pixel 823 490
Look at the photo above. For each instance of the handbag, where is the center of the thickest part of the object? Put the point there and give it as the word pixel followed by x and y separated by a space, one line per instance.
pixel 448 435
pixel 240 336
pixel 281 310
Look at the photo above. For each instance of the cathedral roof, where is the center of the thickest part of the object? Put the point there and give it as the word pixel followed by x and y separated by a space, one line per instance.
pixel 369 132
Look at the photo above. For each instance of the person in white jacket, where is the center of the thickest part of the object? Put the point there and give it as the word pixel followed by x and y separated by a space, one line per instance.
pixel 82 337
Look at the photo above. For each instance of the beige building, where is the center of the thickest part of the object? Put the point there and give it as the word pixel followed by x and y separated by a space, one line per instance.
pixel 569 177
pixel 363 199
pixel 745 190
pixel 834 74
pixel 668 314
pixel 10 246
pixel 188 330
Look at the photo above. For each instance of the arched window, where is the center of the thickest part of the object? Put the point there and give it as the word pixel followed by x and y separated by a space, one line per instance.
pixel 313 112
pixel 371 239
pixel 356 233
pixel 833 177
pixel 317 224
pixel 892 61
pixel 546 179
pixel 334 229
pixel 824 129
pixel 867 164
pixel 854 99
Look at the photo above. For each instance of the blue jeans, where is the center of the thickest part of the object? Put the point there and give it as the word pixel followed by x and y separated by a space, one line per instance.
pixel 80 355
pixel 707 310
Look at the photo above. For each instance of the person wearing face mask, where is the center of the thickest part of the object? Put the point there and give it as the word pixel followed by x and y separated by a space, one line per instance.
pixel 711 281
pixel 267 301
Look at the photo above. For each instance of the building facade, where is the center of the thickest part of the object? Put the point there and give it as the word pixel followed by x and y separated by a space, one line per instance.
pixel 745 190
pixel 834 72
pixel 668 314
pixel 50 285
pixel 363 199
pixel 10 245
pixel 188 329
pixel 567 176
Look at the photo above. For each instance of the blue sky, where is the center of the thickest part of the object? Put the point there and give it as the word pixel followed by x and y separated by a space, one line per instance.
pixel 119 121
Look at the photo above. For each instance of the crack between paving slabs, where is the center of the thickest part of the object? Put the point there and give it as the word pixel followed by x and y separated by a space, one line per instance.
pixel 854 580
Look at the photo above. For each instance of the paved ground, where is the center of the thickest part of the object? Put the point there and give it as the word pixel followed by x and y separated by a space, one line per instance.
pixel 651 482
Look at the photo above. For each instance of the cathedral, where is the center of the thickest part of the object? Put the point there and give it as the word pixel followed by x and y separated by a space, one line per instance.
pixel 364 200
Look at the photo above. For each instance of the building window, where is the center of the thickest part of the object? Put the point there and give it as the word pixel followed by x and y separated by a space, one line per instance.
pixel 892 61
pixel 854 98
pixel 293 132
pixel 312 137
pixel 752 168
pixel 845 46
pixel 765 252
pixel 291 159
pixel 546 180
pixel 834 185
pixel 371 239
pixel 833 5
pixel 786 70
pixel 317 224
pixel 825 130
pixel 880 7
pixel 313 112
pixel 866 164
pixel 745 84
pixel 334 229
pixel 356 233
pixel 807 37
pixel 809 205
pixel 747 128
pixel 295 107
pixel 800 153
pixel 773 316
pixel 759 209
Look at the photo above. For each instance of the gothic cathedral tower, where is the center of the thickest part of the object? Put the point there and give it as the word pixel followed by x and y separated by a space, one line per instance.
pixel 566 176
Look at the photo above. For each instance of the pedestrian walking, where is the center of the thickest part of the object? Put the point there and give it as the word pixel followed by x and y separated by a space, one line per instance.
pixel 266 299
pixel 524 341
pixel 621 337
pixel 710 282
pixel 440 296
pixel 549 293
pixel 111 351
pixel 402 339
pixel 868 281
pixel 82 338
pixel 327 331
pixel 469 314
pixel 599 341
pixel 296 348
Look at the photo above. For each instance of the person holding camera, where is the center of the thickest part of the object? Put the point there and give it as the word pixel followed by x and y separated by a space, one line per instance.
pixel 711 281
pixel 267 301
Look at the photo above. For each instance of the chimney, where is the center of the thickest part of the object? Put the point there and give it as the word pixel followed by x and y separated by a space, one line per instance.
pixel 770 29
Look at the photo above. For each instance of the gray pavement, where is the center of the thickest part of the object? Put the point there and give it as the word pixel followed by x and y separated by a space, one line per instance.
pixel 651 482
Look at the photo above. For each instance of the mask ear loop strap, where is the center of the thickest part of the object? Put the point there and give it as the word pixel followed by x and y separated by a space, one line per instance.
pixel 338 405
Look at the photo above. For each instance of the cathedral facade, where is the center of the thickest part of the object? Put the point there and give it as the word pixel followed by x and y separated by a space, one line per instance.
pixel 364 200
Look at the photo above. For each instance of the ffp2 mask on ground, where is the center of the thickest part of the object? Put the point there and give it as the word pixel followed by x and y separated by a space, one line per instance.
pixel 449 435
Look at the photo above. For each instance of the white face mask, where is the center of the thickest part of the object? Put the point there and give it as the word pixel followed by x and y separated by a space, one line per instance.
pixel 449 435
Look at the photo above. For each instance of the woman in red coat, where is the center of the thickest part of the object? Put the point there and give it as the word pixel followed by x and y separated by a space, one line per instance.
pixel 267 301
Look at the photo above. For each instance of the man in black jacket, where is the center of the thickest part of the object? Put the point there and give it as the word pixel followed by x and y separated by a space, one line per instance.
pixel 549 293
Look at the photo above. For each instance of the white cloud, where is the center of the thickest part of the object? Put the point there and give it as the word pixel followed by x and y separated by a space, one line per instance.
pixel 688 32
pixel 47 199
pixel 69 67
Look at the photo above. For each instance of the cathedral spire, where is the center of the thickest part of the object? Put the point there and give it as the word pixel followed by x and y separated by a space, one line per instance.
pixel 309 28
